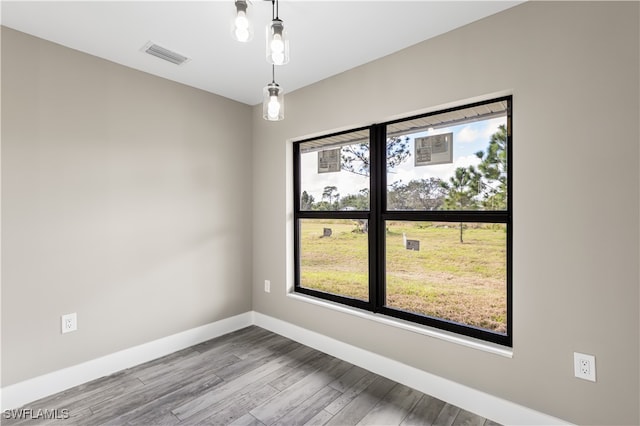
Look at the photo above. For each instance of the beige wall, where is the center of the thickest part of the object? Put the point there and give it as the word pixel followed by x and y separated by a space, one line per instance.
pixel 116 204
pixel 573 71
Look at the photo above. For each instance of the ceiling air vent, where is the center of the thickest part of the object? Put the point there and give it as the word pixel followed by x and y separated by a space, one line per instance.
pixel 163 53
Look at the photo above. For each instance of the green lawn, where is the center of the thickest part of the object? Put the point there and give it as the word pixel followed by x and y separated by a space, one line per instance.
pixel 461 282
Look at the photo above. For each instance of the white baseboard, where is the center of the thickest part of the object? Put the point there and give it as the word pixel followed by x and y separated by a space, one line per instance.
pixel 18 394
pixel 481 403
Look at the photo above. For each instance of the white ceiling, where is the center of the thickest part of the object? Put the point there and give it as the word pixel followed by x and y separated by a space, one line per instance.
pixel 326 37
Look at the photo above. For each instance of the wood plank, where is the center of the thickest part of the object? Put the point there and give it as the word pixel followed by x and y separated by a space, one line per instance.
pixel 192 368
pixel 349 379
pixel 307 410
pixel 394 407
pixel 230 340
pixel 256 357
pixel 233 409
pixel 123 404
pixel 303 366
pixel 319 419
pixel 158 411
pixel 117 381
pixel 351 393
pixel 272 410
pixel 230 388
pixel 161 365
pixel 360 406
pixel 152 417
pixel 465 418
pixel 79 400
pixel 425 412
pixel 250 389
pixel 247 420
pixel 447 415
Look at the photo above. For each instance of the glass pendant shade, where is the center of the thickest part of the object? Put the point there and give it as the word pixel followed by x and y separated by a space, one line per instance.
pixel 241 28
pixel 273 103
pixel 277 43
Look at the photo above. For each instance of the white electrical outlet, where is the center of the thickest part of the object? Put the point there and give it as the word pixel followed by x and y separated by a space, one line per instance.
pixel 267 286
pixel 584 366
pixel 69 323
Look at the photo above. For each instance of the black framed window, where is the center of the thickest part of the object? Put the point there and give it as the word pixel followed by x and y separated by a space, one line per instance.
pixel 412 219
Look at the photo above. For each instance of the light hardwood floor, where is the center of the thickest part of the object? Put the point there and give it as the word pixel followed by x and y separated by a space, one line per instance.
pixel 249 377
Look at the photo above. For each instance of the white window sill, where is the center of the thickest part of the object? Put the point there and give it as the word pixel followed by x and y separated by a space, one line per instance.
pixel 405 325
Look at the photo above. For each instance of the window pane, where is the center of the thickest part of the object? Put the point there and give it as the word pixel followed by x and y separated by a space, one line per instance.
pixel 451 161
pixel 334 256
pixel 335 172
pixel 447 270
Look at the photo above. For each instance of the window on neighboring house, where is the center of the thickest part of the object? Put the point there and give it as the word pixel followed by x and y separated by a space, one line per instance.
pixel 412 219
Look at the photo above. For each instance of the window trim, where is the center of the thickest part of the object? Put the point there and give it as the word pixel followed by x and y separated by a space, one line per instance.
pixel 414 327
pixel 377 215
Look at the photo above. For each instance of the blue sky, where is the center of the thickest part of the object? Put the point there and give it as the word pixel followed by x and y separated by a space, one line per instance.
pixel 467 140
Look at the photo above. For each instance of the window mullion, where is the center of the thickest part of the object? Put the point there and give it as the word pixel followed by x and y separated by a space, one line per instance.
pixel 296 214
pixel 378 185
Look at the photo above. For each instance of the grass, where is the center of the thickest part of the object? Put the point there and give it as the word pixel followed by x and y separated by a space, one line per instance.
pixel 460 282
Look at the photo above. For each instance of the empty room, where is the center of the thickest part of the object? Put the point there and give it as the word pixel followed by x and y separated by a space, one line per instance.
pixel 320 212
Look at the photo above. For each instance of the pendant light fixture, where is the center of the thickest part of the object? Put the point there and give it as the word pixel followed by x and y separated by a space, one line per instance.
pixel 241 28
pixel 273 100
pixel 277 54
pixel 277 40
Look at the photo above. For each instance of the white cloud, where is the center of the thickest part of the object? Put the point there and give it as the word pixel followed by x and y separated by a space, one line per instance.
pixel 492 127
pixel 468 134
pixel 480 131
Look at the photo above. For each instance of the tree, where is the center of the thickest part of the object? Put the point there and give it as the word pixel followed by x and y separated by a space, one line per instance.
pixel 306 201
pixel 356 158
pixel 461 189
pixel 397 197
pixel 493 171
pixel 359 201
pixel 418 194
pixel 330 193
pixel 321 205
